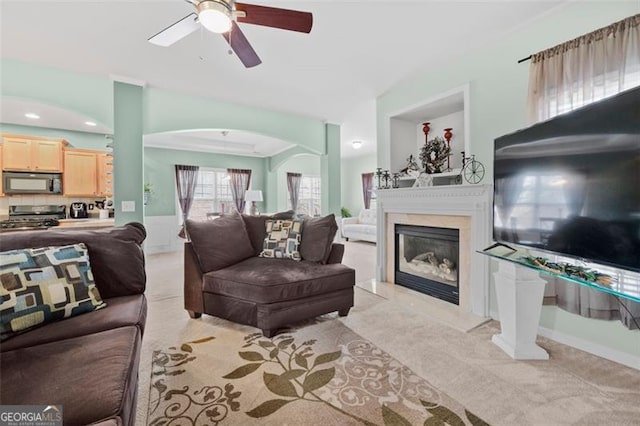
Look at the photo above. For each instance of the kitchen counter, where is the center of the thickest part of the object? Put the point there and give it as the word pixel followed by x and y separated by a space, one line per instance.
pixel 86 223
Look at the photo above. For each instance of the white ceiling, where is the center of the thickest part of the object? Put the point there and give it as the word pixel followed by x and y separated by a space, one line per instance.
pixel 356 51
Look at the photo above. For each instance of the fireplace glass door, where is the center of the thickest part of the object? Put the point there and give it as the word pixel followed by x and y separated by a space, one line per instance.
pixel 426 260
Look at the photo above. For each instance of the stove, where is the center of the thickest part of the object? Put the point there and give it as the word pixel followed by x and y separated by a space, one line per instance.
pixel 26 218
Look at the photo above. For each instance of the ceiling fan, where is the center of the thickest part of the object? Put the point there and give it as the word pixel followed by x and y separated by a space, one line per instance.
pixel 222 16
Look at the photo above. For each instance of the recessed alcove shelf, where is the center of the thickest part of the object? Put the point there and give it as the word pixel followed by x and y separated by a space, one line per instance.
pixel 446 110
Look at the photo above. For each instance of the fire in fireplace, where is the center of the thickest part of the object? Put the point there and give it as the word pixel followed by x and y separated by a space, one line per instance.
pixel 426 260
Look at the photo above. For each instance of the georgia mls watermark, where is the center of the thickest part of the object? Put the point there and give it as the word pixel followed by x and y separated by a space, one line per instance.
pixel 30 415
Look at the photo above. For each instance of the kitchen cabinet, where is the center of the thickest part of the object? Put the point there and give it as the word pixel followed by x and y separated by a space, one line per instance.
pixel 87 173
pixel 32 154
pixel 105 174
pixel 80 177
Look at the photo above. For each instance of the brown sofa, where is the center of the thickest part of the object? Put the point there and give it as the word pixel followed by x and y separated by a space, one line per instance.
pixel 224 277
pixel 87 363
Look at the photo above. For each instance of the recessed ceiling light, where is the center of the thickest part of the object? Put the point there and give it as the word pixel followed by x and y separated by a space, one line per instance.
pixel 90 123
pixel 32 115
pixel 356 144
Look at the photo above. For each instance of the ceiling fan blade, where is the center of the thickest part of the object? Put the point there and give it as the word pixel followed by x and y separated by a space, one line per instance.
pixel 285 19
pixel 241 46
pixel 176 31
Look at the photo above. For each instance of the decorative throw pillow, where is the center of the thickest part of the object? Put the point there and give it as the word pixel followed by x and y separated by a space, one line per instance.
pixel 317 238
pixel 256 227
pixel 46 284
pixel 220 242
pixel 283 239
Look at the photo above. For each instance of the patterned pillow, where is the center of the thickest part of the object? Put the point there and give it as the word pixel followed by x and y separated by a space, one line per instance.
pixel 38 286
pixel 283 239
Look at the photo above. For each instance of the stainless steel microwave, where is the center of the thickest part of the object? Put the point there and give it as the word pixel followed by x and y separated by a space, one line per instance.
pixel 31 183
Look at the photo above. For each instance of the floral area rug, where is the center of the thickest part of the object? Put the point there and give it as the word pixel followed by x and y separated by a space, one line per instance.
pixel 323 374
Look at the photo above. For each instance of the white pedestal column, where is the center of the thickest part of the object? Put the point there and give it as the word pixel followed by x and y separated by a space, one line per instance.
pixel 519 291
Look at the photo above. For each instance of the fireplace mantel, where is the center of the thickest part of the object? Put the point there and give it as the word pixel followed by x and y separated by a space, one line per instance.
pixel 470 201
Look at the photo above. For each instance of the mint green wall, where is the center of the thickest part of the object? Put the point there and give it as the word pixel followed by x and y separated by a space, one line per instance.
pixel 169 111
pixel 159 172
pixel 498 84
pixel 83 93
pixel 127 151
pixel 330 171
pixel 352 169
pixel 498 91
pixel 307 164
pixel 164 111
pixel 76 139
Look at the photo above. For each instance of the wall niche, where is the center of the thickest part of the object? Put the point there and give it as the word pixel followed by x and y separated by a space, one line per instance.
pixel 406 136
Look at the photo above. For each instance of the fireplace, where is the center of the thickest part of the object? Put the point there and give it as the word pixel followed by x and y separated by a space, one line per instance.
pixel 427 260
pixel 466 208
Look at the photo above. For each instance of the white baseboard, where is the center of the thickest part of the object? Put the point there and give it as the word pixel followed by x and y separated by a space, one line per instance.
pixel 590 347
pixel 162 234
pixel 585 345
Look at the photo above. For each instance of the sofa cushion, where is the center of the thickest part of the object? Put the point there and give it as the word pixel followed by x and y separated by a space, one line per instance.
pixel 94 377
pixel 283 239
pixel 367 217
pixel 43 285
pixel 317 236
pixel 117 260
pixel 359 229
pixel 120 312
pixel 257 229
pixel 220 242
pixel 265 280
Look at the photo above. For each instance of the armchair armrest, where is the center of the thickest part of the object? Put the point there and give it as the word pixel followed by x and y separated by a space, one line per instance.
pixel 193 299
pixel 350 220
pixel 336 253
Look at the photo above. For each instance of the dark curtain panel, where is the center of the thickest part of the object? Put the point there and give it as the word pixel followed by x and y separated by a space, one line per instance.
pixel 367 187
pixel 239 182
pixel 186 179
pixel 293 184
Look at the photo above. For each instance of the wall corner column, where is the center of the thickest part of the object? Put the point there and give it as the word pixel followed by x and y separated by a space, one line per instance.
pixel 128 153
pixel 330 171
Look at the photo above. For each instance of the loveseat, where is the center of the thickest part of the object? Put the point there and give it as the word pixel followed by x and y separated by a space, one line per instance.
pixel 87 363
pixel 363 227
pixel 226 277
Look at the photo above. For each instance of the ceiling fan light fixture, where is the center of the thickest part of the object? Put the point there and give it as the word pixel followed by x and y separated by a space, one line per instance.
pixel 215 16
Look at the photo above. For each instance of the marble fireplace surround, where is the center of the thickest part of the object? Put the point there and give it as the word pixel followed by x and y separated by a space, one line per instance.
pixel 464 207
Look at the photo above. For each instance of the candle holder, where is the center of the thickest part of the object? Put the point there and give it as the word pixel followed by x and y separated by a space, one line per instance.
pixel 386 176
pixel 447 137
pixel 379 177
pixel 425 129
pixel 396 180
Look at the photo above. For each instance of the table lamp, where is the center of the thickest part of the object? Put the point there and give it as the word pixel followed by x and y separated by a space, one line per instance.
pixel 253 196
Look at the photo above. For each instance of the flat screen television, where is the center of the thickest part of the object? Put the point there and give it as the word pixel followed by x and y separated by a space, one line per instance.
pixel 571 185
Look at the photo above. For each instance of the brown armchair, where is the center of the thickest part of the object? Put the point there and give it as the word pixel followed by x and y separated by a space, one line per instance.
pixel 224 277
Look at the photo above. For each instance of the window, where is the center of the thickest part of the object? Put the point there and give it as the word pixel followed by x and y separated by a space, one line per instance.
pixel 585 69
pixel 212 191
pixel 602 86
pixel 309 196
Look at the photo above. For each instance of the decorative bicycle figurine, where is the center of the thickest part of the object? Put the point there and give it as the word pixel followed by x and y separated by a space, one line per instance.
pixel 472 169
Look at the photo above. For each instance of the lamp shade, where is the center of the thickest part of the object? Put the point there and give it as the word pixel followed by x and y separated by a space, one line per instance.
pixel 253 195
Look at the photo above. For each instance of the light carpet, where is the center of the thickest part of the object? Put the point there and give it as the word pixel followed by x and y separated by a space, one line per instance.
pixel 572 388
pixel 322 374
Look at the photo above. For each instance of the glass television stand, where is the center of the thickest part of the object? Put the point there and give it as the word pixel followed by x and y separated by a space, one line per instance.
pixel 520 290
